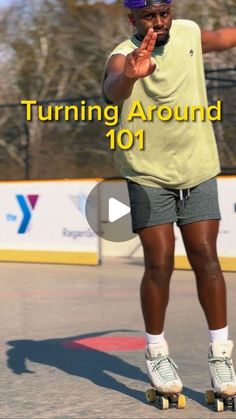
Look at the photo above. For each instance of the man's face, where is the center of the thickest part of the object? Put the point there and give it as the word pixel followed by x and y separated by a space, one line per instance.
pixel 156 16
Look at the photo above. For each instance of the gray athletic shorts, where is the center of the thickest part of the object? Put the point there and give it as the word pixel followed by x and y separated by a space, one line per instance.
pixel 153 206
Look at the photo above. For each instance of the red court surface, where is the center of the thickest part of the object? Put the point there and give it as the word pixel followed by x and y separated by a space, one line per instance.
pixel 108 343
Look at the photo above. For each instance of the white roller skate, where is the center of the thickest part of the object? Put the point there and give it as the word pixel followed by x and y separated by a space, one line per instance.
pixel 223 376
pixel 163 376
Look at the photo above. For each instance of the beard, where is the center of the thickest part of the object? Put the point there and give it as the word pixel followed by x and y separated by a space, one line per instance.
pixel 162 40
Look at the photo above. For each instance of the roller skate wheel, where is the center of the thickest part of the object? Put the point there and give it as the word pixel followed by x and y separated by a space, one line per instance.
pixel 151 395
pixel 210 397
pixel 163 402
pixel 219 404
pixel 181 402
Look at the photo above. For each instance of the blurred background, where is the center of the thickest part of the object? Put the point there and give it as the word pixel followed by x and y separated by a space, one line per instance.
pixel 54 51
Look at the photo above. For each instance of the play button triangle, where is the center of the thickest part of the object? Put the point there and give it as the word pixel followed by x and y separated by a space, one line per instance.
pixel 116 209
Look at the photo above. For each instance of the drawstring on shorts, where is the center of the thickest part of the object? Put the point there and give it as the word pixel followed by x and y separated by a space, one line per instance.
pixel 184 196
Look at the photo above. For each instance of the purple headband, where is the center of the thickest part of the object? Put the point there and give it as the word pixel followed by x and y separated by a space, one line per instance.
pixel 133 4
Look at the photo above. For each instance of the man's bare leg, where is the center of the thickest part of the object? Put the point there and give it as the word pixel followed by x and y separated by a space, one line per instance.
pixel 200 242
pixel 158 244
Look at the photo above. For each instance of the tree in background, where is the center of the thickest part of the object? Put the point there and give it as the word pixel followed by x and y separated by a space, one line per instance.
pixel 57 50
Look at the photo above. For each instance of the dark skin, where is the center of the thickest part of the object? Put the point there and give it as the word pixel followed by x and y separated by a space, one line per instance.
pixel 200 243
pixel 123 71
pixel 153 24
pixel 157 18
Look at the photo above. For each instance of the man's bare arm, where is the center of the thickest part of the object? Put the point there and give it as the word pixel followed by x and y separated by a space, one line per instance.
pixel 123 71
pixel 219 40
pixel 117 86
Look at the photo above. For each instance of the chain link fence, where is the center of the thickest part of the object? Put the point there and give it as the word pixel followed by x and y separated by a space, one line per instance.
pixel 221 85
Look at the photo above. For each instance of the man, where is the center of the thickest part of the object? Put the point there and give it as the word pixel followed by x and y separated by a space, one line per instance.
pixel 162 65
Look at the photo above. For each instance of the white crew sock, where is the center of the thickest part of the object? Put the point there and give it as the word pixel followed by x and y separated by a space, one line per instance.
pixel 219 334
pixel 154 338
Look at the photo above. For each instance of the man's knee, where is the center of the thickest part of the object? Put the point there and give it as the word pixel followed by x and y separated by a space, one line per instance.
pixel 160 270
pixel 206 265
pixel 203 256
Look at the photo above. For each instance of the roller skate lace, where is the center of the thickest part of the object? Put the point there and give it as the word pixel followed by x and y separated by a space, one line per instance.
pixel 165 368
pixel 222 369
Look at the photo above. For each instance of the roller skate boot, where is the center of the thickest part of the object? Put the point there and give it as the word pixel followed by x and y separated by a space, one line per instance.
pixel 163 376
pixel 223 376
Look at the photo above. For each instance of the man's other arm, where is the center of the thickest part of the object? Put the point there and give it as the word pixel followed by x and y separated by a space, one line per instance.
pixel 218 40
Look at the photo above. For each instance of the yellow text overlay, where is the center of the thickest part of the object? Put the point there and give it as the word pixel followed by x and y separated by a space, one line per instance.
pixel 110 114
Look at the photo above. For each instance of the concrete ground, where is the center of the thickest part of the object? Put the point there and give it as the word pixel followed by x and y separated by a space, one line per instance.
pixel 44 373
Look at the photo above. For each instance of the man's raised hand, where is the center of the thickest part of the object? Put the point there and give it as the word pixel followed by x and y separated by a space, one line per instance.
pixel 140 63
